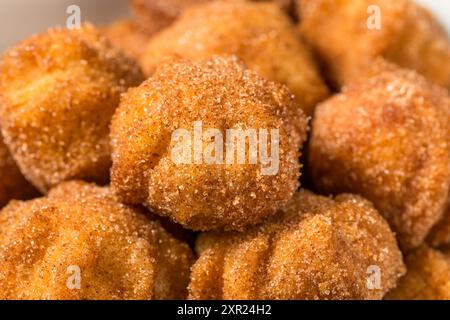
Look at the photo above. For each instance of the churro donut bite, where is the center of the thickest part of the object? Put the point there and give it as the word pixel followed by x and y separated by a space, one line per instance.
pixel 428 276
pixel 58 91
pixel 80 243
pixel 208 144
pixel 386 137
pixel 155 15
pixel 12 183
pixel 128 36
pixel 316 248
pixel 258 33
pixel 348 33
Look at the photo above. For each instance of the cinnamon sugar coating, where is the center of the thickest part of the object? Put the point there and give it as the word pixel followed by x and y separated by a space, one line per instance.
pixel 224 95
pixel 258 33
pixel 58 91
pixel 386 137
pixel 428 276
pixel 316 248
pixel 347 34
pixel 119 252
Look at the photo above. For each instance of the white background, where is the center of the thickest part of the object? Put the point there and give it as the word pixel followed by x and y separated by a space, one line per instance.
pixel 21 18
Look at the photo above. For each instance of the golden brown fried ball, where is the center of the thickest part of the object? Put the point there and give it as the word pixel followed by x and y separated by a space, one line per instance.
pixel 208 192
pixel 12 183
pixel 345 35
pixel 154 15
pixel 128 36
pixel 118 252
pixel 316 248
pixel 258 33
pixel 58 91
pixel 386 137
pixel 428 276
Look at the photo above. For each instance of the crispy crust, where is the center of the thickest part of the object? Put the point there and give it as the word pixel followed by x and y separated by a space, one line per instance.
pixel 58 91
pixel 387 138
pixel 258 33
pixel 120 252
pixel 223 94
pixel 317 248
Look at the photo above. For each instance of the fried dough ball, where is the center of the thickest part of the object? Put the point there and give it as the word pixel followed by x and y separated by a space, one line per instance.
pixel 12 183
pixel 316 248
pixel 345 34
pixel 155 15
pixel 204 190
pixel 58 91
pixel 258 33
pixel 119 253
pixel 428 276
pixel 128 36
pixel 386 137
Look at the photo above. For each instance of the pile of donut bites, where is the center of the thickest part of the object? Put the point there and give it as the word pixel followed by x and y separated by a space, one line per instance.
pixel 95 206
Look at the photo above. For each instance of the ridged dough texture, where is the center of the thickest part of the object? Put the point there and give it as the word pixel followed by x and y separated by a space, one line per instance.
pixel 258 33
pixel 386 137
pixel 58 92
pixel 316 248
pixel 223 94
pixel 120 252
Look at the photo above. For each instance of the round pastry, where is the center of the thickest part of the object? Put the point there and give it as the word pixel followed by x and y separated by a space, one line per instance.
pixel 154 15
pixel 80 243
pixel 258 33
pixel 386 137
pixel 316 248
pixel 58 92
pixel 211 145
pixel 347 34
